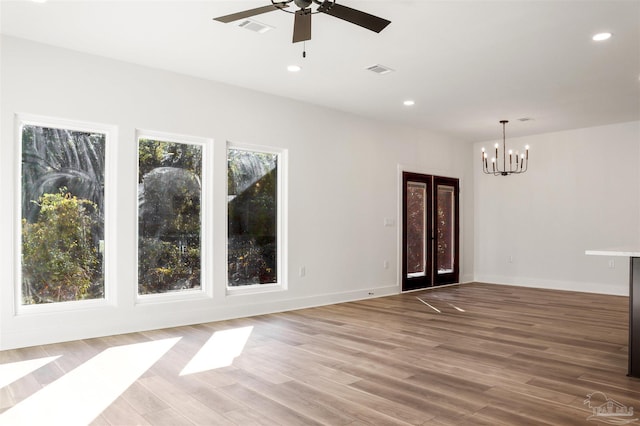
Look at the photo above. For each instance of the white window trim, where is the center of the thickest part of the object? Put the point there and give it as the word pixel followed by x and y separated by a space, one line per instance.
pixel 282 223
pixel 206 225
pixel 110 208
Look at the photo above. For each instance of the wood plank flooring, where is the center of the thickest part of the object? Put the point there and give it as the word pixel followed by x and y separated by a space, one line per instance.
pixel 493 355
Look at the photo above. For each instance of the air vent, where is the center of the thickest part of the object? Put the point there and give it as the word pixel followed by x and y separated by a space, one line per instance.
pixel 379 69
pixel 525 119
pixel 255 26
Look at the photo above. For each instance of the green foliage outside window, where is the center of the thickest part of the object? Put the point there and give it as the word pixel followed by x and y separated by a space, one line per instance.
pixel 252 217
pixel 59 258
pixel 169 223
pixel 62 214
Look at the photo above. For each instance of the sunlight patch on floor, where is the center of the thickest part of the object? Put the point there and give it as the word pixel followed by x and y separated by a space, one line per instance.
pixel 78 397
pixel 432 307
pixel 13 371
pixel 457 308
pixel 219 351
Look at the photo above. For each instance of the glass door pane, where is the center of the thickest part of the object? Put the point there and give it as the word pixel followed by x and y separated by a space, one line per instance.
pixel 446 230
pixel 445 223
pixel 417 233
pixel 416 229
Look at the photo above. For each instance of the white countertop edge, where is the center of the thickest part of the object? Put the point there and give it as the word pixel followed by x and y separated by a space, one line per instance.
pixel 622 251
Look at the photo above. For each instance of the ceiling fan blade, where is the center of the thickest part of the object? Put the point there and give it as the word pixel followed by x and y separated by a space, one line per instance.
pixel 251 12
pixel 354 16
pixel 302 26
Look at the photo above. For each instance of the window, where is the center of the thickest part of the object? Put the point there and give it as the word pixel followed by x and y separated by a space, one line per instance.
pixel 254 214
pixel 62 212
pixel 169 215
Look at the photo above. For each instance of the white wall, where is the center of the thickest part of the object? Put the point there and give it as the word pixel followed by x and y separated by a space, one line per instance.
pixel 343 182
pixel 582 191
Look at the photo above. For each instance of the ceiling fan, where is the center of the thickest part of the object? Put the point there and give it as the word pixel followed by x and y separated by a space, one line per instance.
pixel 302 21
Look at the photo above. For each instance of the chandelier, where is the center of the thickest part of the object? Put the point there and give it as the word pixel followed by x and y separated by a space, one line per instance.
pixel 519 165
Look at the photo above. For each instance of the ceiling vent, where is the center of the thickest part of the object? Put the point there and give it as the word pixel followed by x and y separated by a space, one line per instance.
pixel 255 26
pixel 379 69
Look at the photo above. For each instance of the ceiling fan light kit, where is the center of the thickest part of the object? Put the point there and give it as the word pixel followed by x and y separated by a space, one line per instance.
pixel 520 165
pixel 302 19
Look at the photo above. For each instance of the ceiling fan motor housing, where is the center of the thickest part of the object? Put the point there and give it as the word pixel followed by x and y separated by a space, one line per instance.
pixel 303 4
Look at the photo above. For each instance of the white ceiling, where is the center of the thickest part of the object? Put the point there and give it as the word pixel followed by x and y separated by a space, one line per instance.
pixel 467 64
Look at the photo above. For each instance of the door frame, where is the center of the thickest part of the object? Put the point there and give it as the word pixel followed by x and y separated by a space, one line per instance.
pixel 442 178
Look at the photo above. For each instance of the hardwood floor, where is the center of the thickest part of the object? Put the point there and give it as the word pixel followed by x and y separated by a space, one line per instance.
pixel 479 355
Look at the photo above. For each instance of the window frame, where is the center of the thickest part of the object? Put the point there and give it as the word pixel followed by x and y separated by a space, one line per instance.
pixel 206 226
pixel 281 222
pixel 110 243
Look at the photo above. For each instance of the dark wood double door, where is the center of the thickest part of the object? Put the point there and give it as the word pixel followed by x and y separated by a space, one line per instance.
pixel 430 231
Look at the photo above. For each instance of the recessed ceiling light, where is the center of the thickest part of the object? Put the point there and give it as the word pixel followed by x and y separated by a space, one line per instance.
pixel 294 68
pixel 39 1
pixel 409 102
pixel 601 36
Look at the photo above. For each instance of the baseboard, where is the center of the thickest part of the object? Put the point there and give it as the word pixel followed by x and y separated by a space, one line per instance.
pixel 49 332
pixel 580 286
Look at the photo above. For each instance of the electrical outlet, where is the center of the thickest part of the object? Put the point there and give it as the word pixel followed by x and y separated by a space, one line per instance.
pixel 510 259
pixel 385 264
pixel 303 271
pixel 612 264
